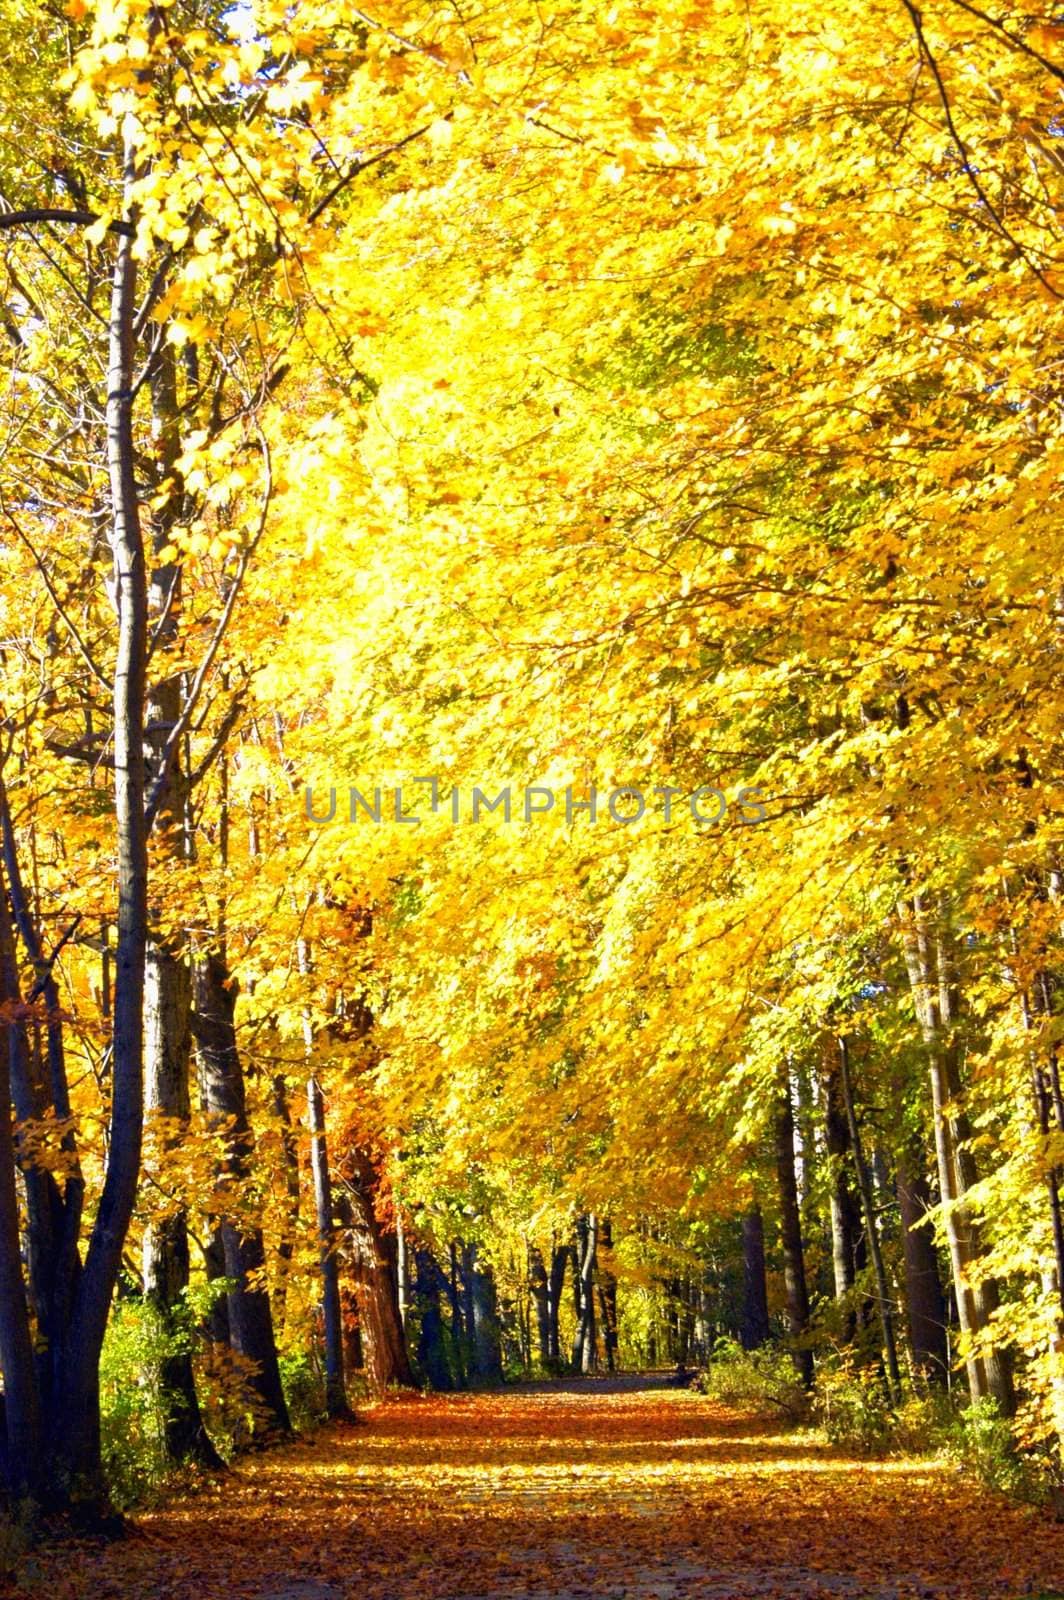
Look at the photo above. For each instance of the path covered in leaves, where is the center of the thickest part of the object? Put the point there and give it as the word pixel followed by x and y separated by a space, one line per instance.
pixel 636 1492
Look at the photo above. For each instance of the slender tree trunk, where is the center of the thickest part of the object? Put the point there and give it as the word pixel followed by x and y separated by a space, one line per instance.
pixel 168 1045
pixel 168 978
pixel 796 1291
pixel 458 1332
pixel 469 1317
pixel 933 982
pixel 864 1184
pixel 222 1086
pixel 286 1243
pixel 846 1236
pixel 539 1290
pixel 1049 1106
pixel 402 1267
pixel 75 1432
pixel 755 1326
pixel 584 1351
pixel 23 1456
pixel 608 1294
pixel 555 1288
pixel 335 1394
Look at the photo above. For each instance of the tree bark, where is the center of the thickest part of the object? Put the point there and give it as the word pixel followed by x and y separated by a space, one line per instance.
pixel 75 1434
pixel 846 1234
pixel 560 1255
pixel 168 1047
pixel 222 1087
pixel 23 1455
pixel 431 1349
pixel 216 1323
pixel 924 1300
pixel 290 1157
pixel 383 1342
pixel 487 1353
pixel 168 979
pixel 585 1352
pixel 796 1290
pixel 930 967
pixel 755 1325
pixel 458 1332
pixel 886 1304
pixel 608 1294
pixel 335 1393
pixel 539 1291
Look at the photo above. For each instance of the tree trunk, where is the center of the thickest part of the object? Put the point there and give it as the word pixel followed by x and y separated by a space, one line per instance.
pixel 846 1235
pixel 335 1394
pixel 555 1287
pixel 458 1332
pixel 290 1156
pixel 402 1268
pixel 373 1273
pixel 168 979
pixel 22 1436
pixel 864 1183
pixel 75 1430
pixel 354 1360
pixel 431 1349
pixel 480 1281
pixel 216 1323
pixel 222 1087
pixel 924 1300
pixel 755 1326
pixel 53 1213
pixel 796 1291
pixel 539 1290
pixel 167 1049
pixel 933 982
pixel 584 1342
pixel 608 1295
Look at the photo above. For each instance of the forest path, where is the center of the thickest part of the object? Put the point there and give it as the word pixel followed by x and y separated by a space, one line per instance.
pixel 631 1490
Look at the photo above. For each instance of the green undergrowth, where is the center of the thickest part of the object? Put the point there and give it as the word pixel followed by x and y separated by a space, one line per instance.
pixel 850 1407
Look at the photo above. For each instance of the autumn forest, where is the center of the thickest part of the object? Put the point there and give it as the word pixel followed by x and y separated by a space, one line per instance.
pixel 531 839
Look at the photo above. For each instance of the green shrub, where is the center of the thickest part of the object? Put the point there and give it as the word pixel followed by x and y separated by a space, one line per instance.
pixel 304 1389
pixel 981 1442
pixel 132 1402
pixel 853 1409
pixel 922 1423
pixel 763 1381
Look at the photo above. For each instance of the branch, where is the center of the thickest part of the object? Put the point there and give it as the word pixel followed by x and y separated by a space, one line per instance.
pixel 35 214
pixel 966 161
pixel 1014 39
pixel 48 963
pixel 69 624
pixel 360 166
pixel 178 730
pixel 226 727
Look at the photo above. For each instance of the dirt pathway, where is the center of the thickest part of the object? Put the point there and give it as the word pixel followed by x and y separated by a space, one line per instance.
pixel 631 1493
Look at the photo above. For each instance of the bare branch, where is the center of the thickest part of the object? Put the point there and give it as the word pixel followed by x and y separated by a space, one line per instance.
pixel 36 214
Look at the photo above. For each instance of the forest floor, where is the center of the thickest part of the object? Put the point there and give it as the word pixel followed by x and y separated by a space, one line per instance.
pixel 594 1490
